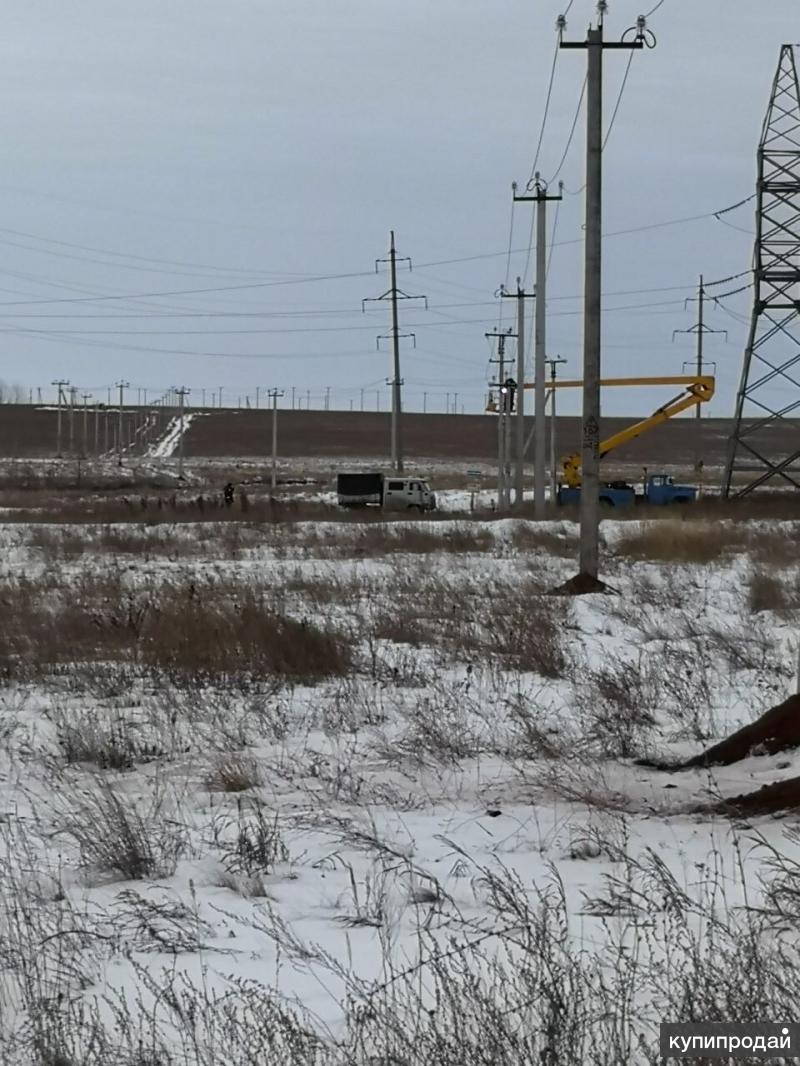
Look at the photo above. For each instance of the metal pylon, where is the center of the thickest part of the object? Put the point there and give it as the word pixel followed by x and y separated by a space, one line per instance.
pixel 765 440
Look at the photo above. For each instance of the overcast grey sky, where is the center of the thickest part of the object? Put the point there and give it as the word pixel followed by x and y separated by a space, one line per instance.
pixel 169 146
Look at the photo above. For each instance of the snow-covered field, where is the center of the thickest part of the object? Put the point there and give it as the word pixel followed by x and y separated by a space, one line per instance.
pixel 325 793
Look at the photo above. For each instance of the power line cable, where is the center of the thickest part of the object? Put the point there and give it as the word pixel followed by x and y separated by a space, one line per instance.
pixel 619 98
pixel 733 292
pixel 614 113
pixel 197 292
pixel 724 281
pixel 324 312
pixel 571 132
pixel 546 112
pixel 216 268
pixel 552 241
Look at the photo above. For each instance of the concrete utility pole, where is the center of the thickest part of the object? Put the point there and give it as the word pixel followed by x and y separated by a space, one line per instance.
pixel 73 389
pixel 86 397
pixel 519 421
pixel 700 330
pixel 394 294
pixel 121 385
pixel 96 428
pixel 503 404
pixel 553 363
pixel 181 393
pixel 539 195
pixel 589 557
pixel 274 394
pixel 60 384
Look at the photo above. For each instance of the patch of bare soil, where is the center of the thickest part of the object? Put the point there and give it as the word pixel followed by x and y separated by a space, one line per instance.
pixel 778 729
pixel 581 585
pixel 769 799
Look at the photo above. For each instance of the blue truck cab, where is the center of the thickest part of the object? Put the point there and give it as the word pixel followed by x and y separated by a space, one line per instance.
pixel 658 491
pixel 661 489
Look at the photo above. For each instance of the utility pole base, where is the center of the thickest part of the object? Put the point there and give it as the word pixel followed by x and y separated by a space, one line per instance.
pixel 583 585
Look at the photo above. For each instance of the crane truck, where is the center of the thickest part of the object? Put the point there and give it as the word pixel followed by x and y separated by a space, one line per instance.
pixel 657 489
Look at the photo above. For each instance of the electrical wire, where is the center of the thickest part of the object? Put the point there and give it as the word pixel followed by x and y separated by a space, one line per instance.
pixel 653 10
pixel 614 114
pixel 619 98
pixel 215 268
pixel 733 292
pixel 732 225
pixel 546 113
pixel 739 203
pixel 724 281
pixel 571 132
pixel 307 312
pixel 120 265
pixel 197 292
pixel 552 241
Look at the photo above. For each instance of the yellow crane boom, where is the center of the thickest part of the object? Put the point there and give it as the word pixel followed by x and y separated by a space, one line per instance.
pixel 697 389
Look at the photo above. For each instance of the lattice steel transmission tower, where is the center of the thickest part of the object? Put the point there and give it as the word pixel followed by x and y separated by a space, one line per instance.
pixel 765 441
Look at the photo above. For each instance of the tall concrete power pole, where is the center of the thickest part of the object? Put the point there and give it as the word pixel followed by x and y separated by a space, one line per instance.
pixel 60 384
pixel 273 395
pixel 503 410
pixel 394 295
pixel 181 393
pixel 700 329
pixel 519 388
pixel 553 364
pixel 589 560
pixel 121 385
pixel 538 194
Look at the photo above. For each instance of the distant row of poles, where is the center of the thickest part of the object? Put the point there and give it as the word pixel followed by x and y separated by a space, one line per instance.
pixel 295 398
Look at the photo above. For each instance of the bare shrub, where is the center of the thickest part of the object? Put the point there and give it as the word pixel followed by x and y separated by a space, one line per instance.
pixel 402 624
pixel 106 740
pixel 252 845
pixel 617 703
pixel 770 591
pixel 234 773
pixel 118 839
pixel 527 629
pixel 444 726
pixel 163 924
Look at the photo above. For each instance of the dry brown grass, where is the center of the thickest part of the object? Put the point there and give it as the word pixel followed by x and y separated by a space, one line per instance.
pixel 533 538
pixel 234 773
pixel 770 591
pixel 195 634
pixel 671 541
pixel 527 629
pixel 703 542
